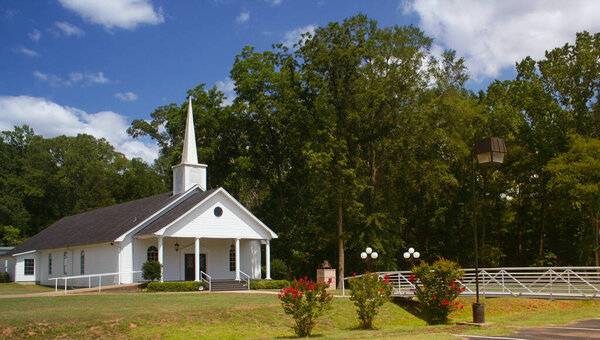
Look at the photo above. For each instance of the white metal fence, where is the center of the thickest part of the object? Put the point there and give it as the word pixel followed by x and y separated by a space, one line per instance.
pixel 94 280
pixel 532 282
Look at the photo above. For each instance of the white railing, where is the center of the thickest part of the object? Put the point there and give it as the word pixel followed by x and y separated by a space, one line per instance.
pixel 247 278
pixel 532 282
pixel 90 282
pixel 207 278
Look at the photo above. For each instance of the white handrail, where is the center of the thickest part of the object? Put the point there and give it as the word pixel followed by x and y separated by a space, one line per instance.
pixel 248 280
pixel 533 282
pixel 202 275
pixel 89 277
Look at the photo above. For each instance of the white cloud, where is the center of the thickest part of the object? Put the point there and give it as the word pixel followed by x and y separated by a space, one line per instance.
pixel 127 14
pixel 26 51
pixel 50 120
pixel 126 96
pixel 69 29
pixel 35 35
pixel 243 17
pixel 493 35
pixel 83 78
pixel 292 37
pixel 274 2
pixel 227 86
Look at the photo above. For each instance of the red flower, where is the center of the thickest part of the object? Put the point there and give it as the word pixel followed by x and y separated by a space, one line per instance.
pixel 329 281
pixel 434 296
pixel 354 274
pixel 311 287
pixel 386 276
pixel 446 302
pixel 305 278
pixel 380 291
pixel 386 281
pixel 301 280
pixel 461 307
pixel 411 278
pixel 294 296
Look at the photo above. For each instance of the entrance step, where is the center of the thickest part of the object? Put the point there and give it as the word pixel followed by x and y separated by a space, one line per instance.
pixel 228 285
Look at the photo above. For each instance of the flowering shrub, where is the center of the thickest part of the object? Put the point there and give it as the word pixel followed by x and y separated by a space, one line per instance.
pixel 369 293
pixel 437 287
pixel 305 301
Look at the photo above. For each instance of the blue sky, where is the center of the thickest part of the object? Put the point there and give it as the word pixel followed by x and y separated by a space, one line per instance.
pixel 70 66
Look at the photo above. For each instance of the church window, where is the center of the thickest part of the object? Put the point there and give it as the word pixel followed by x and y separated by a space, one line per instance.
pixel 29 267
pixel 232 258
pixel 152 254
pixel 65 262
pixel 49 264
pixel 82 263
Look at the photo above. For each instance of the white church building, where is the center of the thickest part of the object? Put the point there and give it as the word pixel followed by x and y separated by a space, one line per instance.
pixel 193 232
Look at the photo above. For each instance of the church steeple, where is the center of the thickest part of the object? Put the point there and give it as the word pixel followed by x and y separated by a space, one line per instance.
pixel 189 172
pixel 190 155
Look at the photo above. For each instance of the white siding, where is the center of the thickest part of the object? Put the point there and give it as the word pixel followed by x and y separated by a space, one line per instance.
pixel 19 274
pixel 126 257
pixel 99 259
pixel 201 222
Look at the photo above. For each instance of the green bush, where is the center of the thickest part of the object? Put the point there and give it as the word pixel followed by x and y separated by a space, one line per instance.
pixel 278 270
pixel 186 286
pixel 4 278
pixel 151 270
pixel 369 293
pixel 269 284
pixel 437 287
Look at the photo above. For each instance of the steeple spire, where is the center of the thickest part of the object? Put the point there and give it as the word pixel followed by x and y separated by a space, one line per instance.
pixel 189 172
pixel 190 155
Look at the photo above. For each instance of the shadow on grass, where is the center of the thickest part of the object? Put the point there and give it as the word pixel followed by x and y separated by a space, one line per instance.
pixel 409 305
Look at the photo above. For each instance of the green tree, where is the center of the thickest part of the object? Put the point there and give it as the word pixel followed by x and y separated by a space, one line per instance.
pixel 576 177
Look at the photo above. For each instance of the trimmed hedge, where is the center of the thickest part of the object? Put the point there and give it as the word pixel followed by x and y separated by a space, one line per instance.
pixel 186 286
pixel 4 278
pixel 269 284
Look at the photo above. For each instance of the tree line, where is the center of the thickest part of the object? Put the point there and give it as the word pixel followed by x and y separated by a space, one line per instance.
pixel 45 179
pixel 359 136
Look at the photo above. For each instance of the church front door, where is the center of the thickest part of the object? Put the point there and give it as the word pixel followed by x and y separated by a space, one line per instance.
pixel 190 266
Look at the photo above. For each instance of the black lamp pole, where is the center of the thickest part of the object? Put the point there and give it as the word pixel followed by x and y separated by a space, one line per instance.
pixel 487 152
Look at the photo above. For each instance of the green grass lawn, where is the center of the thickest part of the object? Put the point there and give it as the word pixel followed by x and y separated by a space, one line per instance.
pixel 15 288
pixel 234 316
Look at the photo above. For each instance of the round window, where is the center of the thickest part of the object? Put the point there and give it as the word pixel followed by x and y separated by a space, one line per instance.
pixel 218 211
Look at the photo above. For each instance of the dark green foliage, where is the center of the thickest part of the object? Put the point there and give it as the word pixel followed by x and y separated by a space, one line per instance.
pixel 438 286
pixel 4 278
pixel 186 286
pixel 360 136
pixel 369 292
pixel 269 284
pixel 151 270
pixel 45 179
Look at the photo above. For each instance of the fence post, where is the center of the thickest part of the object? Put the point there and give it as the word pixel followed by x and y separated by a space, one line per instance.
pixel 65 286
pixel 99 283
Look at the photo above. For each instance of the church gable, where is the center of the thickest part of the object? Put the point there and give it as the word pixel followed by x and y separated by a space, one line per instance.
pixel 218 216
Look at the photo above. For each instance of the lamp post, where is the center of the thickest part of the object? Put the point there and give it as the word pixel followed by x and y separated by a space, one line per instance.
pixel 369 255
pixel 487 152
pixel 411 255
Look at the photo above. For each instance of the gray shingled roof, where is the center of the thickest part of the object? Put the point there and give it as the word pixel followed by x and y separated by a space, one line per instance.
pixel 162 221
pixel 107 224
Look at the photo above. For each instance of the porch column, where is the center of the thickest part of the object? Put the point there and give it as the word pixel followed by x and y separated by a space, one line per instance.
pixel 197 259
pixel 268 259
pixel 160 257
pixel 237 259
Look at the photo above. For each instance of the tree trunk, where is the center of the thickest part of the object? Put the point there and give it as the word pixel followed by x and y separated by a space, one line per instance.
pixel 596 236
pixel 542 226
pixel 340 243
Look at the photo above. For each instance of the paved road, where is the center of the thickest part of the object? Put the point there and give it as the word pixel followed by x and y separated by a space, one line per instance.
pixel 585 329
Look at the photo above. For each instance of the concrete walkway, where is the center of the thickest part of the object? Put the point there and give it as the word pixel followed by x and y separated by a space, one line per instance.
pixel 584 329
pixel 61 292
